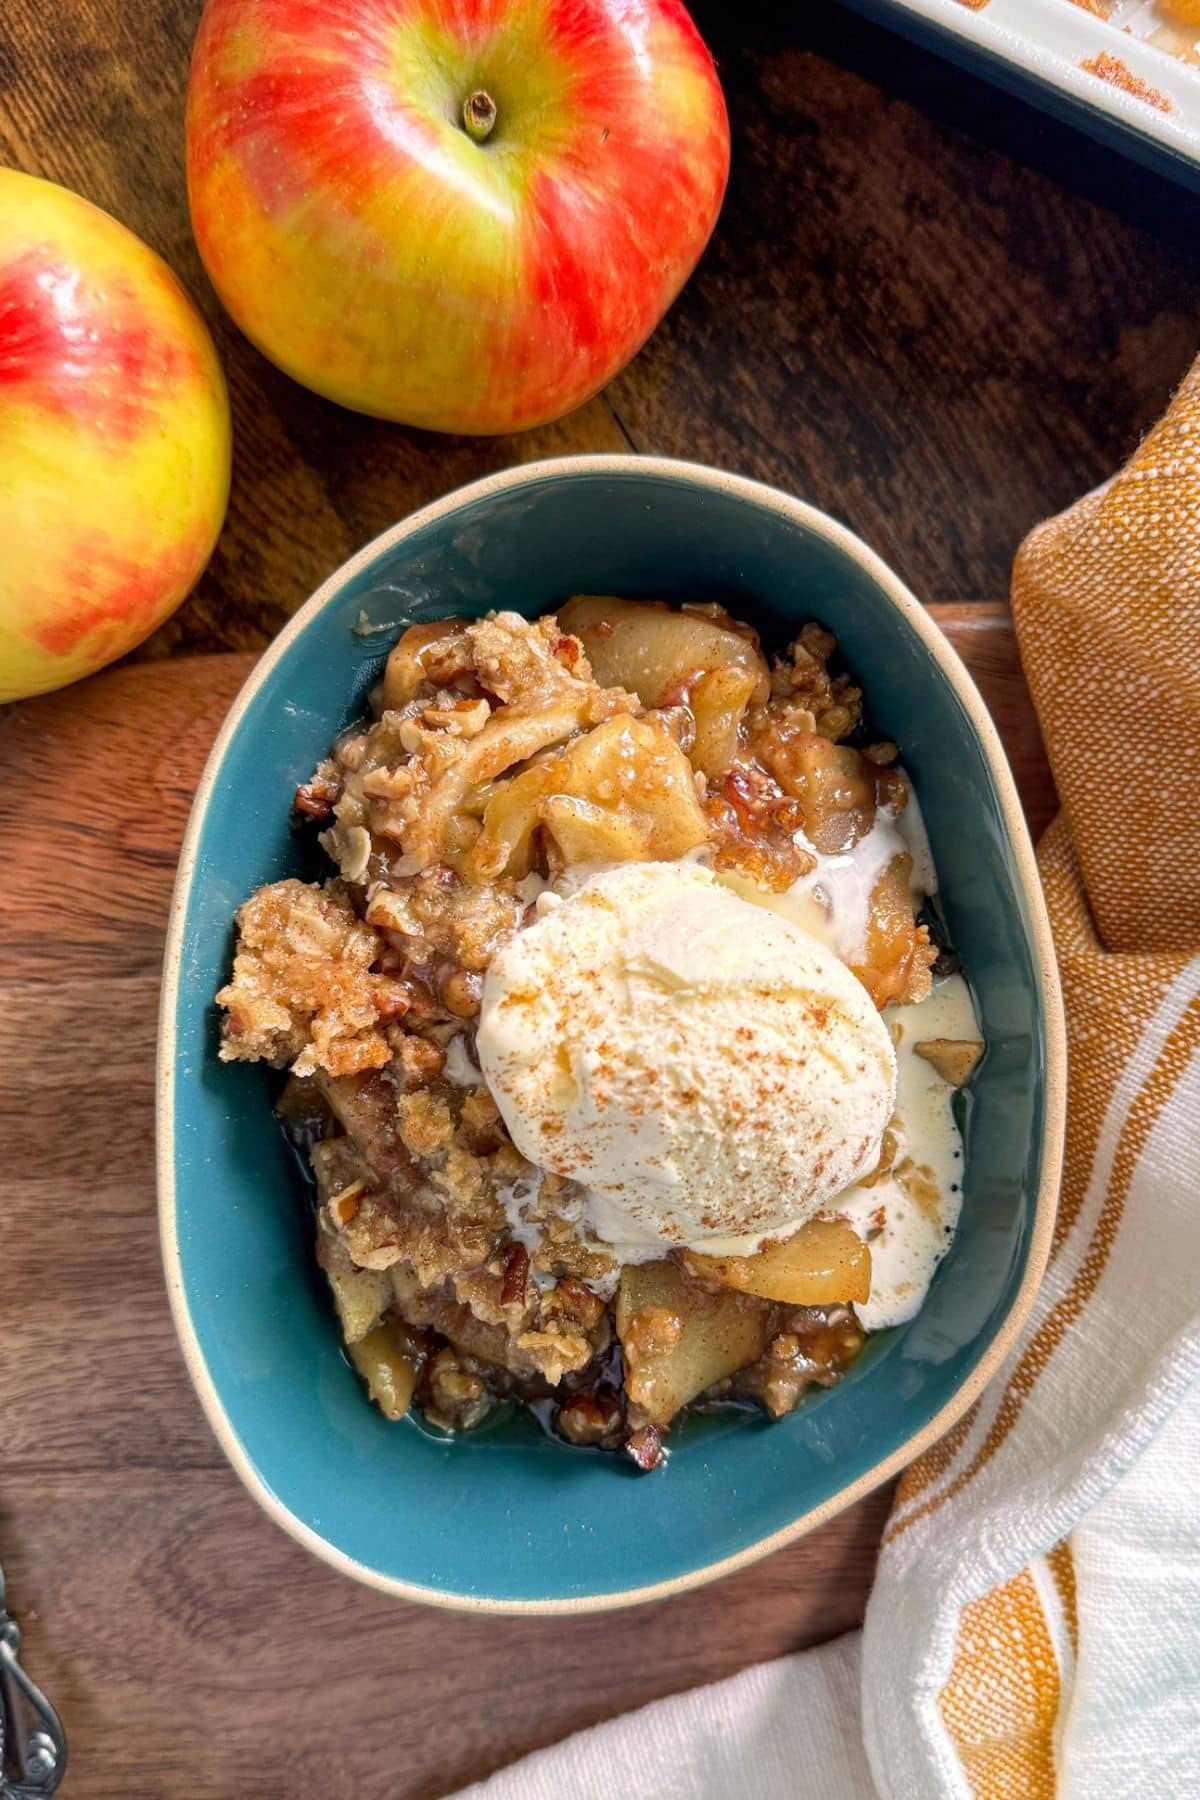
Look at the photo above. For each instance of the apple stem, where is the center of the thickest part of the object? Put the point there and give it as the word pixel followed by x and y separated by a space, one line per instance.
pixel 479 115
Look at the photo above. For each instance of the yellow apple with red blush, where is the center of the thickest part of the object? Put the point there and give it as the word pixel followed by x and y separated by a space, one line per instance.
pixel 463 214
pixel 114 438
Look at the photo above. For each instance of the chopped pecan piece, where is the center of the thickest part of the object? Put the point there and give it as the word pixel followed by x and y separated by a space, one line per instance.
pixel 316 798
pixel 392 1002
pixel 575 1298
pixel 590 1418
pixel 515 1258
pixel 645 1446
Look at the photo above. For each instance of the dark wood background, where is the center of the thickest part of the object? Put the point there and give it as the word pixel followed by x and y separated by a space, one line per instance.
pixel 927 310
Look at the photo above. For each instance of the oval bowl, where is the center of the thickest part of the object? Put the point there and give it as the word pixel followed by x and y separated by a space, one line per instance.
pixel 506 1519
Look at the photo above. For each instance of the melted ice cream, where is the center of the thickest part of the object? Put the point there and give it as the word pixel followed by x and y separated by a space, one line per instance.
pixel 909 1215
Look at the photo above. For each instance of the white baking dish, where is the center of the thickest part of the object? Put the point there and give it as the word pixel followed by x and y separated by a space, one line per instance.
pixel 1149 104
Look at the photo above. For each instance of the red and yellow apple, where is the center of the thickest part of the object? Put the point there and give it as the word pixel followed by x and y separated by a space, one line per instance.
pixel 462 214
pixel 114 438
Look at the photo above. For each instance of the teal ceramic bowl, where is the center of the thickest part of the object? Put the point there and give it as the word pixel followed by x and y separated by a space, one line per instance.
pixel 507 1519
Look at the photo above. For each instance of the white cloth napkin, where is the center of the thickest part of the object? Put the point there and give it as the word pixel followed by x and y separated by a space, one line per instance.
pixel 1129 1725
pixel 1034 1629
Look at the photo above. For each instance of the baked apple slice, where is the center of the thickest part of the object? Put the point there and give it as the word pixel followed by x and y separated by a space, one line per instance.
pixel 679 1336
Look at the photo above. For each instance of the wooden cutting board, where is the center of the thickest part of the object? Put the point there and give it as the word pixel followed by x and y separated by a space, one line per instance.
pixel 192 1649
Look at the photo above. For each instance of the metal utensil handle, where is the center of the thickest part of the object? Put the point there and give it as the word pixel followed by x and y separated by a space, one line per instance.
pixel 32 1740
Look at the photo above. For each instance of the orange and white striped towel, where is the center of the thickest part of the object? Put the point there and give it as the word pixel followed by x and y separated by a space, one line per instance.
pixel 1034 1629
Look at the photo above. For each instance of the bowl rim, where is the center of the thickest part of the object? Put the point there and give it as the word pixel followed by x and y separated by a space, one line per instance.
pixel 811 518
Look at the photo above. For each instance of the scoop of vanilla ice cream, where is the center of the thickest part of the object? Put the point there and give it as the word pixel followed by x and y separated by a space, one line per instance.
pixel 706 1069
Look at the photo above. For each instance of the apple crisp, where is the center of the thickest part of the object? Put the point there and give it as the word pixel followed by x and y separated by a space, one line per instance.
pixel 504 760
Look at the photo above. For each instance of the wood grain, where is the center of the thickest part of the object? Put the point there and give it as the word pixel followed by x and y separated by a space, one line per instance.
pixel 926 308
pixel 194 1650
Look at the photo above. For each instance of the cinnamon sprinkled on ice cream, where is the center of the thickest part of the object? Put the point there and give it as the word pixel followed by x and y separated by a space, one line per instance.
pixel 704 1068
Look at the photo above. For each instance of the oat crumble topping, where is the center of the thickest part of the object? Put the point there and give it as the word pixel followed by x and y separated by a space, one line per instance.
pixel 500 754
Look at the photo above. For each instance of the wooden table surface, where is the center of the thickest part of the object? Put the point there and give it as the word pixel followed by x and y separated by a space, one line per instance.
pixel 185 1638
pixel 926 309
